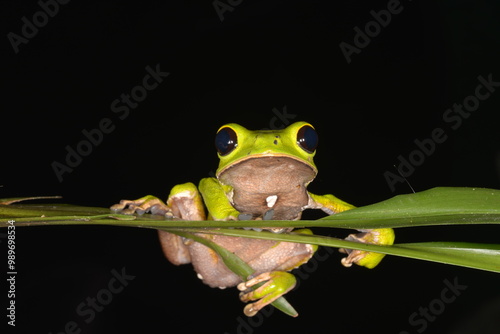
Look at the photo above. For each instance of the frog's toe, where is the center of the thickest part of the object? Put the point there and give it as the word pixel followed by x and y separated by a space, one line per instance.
pixel 268 215
pixel 245 216
pixel 142 205
pixel 127 207
pixel 265 288
pixel 366 259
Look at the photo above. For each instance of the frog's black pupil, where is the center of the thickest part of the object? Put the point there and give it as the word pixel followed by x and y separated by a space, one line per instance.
pixel 226 141
pixel 307 138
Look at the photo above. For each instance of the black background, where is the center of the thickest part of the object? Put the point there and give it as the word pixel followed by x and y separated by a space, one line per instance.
pixel 264 56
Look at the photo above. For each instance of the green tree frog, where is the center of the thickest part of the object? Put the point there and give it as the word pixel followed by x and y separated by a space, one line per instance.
pixel 262 175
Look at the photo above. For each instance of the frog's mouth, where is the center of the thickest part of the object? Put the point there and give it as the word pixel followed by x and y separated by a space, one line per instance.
pixel 269 187
pixel 267 158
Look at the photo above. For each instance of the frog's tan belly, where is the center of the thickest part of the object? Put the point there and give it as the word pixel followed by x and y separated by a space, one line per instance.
pixel 265 183
pixel 262 255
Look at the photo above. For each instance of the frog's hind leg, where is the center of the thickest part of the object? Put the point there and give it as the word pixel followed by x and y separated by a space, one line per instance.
pixel 273 285
pixel 185 203
pixel 383 236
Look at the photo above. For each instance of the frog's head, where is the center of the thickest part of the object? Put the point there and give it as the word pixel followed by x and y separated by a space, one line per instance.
pixel 235 144
pixel 267 169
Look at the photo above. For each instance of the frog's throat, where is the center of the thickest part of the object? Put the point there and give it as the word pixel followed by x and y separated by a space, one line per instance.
pixel 258 184
pixel 220 171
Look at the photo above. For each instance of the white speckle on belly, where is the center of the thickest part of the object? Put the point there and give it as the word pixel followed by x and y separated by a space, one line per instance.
pixel 271 200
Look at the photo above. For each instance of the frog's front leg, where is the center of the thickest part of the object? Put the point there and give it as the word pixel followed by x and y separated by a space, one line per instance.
pixel 142 205
pixel 184 202
pixel 217 201
pixel 331 205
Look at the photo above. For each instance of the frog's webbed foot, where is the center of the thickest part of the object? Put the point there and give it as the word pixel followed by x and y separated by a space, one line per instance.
pixel 143 205
pixel 383 236
pixel 270 286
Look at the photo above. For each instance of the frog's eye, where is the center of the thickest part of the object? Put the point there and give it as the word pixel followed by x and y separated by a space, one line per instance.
pixel 307 138
pixel 226 141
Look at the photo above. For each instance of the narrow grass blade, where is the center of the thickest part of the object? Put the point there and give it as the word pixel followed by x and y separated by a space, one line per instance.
pixel 472 255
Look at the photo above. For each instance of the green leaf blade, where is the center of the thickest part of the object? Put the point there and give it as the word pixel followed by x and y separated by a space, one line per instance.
pixel 436 206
